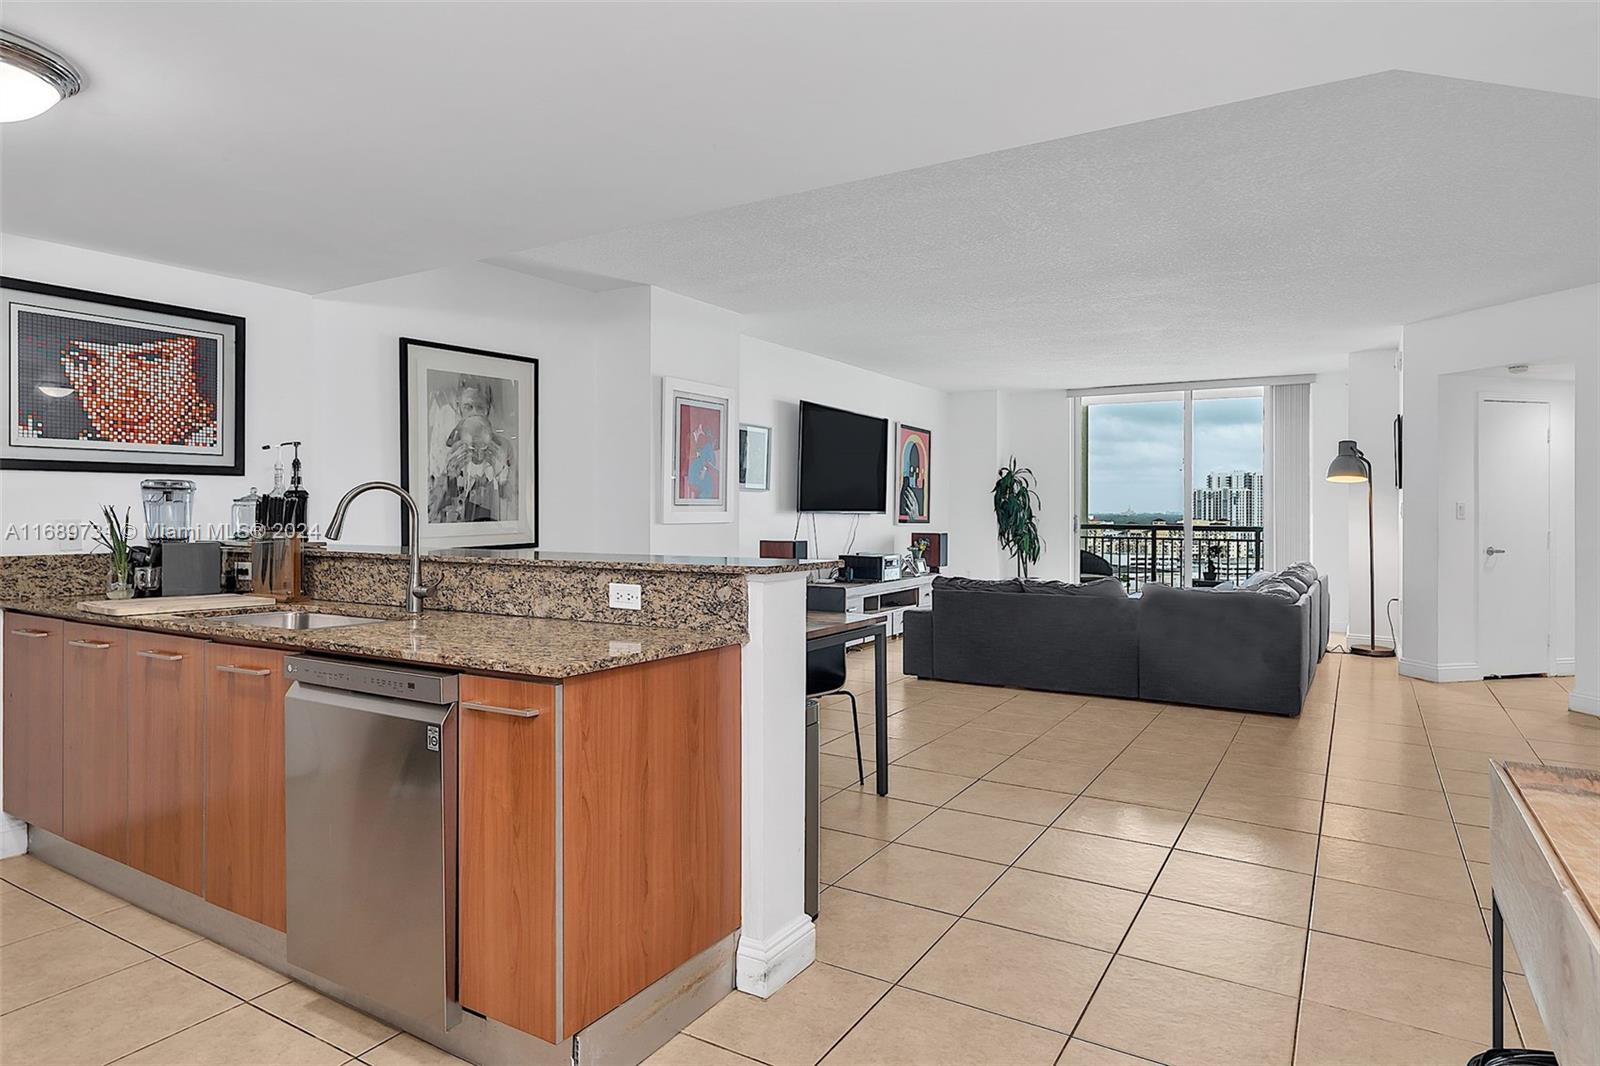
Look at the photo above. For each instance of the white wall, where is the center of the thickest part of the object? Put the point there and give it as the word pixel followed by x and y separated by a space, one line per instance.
pixel 351 385
pixel 1459 562
pixel 972 457
pixel 277 343
pixel 1586 540
pixel 1560 327
pixel 1037 428
pixel 627 405
pixel 697 342
pixel 772 382
pixel 1330 503
pixel 1374 400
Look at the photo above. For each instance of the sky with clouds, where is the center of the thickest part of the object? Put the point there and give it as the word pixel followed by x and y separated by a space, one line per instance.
pixel 1136 450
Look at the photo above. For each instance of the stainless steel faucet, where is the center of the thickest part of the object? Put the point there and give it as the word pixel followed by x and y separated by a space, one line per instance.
pixel 418 590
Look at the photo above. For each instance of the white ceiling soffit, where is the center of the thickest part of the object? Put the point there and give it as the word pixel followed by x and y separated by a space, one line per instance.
pixel 1264 237
pixel 319 145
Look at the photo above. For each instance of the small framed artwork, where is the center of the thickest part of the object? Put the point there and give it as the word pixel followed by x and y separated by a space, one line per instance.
pixel 913 474
pixel 755 458
pixel 696 421
pixel 114 384
pixel 469 445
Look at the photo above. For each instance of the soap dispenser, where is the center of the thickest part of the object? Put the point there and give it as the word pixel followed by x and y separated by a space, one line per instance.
pixel 296 501
pixel 271 507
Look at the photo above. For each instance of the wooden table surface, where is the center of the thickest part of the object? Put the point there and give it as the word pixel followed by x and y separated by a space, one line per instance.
pixel 828 623
pixel 1544 850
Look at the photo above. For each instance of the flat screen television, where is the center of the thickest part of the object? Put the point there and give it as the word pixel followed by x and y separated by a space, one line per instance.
pixel 844 460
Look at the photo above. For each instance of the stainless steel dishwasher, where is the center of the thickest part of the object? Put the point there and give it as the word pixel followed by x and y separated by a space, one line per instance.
pixel 370 761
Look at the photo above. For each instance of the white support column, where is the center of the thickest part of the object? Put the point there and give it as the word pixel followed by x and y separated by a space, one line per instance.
pixel 777 939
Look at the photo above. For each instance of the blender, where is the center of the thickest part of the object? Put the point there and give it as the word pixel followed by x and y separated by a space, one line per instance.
pixel 178 564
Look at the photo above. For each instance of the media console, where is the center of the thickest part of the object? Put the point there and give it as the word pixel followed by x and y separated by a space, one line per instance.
pixel 858 599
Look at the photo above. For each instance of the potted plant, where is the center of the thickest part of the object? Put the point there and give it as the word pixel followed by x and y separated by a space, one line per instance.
pixel 114 537
pixel 1015 502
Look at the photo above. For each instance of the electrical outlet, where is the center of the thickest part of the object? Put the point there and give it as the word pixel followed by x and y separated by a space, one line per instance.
pixel 625 597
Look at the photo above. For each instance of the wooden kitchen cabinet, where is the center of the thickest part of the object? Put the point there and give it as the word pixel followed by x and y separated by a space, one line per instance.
pixel 243 760
pixel 166 706
pixel 33 720
pixel 506 896
pixel 94 732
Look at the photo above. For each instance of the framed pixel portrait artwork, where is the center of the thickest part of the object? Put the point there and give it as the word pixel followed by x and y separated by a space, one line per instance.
pixel 108 383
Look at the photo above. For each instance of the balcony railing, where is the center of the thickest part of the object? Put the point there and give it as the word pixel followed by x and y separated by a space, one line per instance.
pixel 1140 553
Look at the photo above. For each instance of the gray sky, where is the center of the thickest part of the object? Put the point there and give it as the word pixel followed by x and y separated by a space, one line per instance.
pixel 1136 450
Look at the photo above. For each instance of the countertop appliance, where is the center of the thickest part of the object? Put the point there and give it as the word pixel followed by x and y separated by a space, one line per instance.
pixel 168 520
pixel 370 761
pixel 871 567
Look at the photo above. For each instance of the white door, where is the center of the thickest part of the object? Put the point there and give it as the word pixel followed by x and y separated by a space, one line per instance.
pixel 1513 537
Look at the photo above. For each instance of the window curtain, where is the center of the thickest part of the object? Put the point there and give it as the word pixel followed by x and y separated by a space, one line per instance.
pixel 1288 462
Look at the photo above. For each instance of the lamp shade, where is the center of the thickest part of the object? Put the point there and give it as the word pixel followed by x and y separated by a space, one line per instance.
pixel 1349 465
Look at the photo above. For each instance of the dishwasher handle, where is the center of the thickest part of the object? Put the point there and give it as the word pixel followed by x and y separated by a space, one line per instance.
pixel 515 712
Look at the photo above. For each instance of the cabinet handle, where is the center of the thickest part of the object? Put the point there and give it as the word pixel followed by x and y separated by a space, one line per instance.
pixel 245 670
pixel 97 645
pixel 32 634
pixel 163 656
pixel 515 712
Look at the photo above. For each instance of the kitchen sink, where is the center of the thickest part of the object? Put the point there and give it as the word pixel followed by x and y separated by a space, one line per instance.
pixel 296 620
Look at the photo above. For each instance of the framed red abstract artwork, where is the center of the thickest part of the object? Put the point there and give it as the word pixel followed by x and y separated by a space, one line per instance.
pixel 696 419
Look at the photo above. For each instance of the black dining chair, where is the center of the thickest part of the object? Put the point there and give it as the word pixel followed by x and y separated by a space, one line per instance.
pixel 825 676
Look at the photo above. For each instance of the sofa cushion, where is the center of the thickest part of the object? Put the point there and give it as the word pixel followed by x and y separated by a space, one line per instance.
pixel 1256 578
pixel 1105 586
pixel 1281 589
pixel 974 584
pixel 1304 571
pixel 1294 581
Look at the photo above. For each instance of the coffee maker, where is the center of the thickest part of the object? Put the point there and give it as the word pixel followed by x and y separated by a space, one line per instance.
pixel 178 564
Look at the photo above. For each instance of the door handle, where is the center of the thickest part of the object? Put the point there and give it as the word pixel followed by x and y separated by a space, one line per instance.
pixel 515 712
pixel 163 656
pixel 245 670
pixel 97 645
pixel 1494 551
pixel 32 634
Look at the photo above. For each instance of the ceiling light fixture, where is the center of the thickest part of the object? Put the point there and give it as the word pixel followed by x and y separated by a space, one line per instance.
pixel 33 79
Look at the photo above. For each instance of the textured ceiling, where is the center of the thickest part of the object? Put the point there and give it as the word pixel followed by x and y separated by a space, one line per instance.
pixel 1264 237
pixel 317 145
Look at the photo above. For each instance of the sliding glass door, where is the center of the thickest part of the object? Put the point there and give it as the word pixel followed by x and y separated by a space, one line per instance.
pixel 1172 490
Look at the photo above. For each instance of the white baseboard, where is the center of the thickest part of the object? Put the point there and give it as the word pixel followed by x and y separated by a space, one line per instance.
pixel 1443 673
pixel 1564 667
pixel 13 836
pixel 1583 703
pixel 764 966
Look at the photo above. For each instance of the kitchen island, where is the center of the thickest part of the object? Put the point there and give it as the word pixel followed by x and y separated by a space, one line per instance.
pixel 600 833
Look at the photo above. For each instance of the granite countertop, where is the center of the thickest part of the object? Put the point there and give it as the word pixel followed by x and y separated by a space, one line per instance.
pixel 546 648
pixel 716 564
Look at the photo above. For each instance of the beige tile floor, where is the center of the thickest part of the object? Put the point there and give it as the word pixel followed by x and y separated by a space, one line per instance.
pixel 1089 882
pixel 87 979
pixel 1057 879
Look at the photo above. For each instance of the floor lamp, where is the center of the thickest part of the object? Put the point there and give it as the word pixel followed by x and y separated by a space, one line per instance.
pixel 1348 467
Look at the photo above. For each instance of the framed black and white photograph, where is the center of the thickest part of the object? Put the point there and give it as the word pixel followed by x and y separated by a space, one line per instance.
pixel 109 383
pixel 755 458
pixel 469 445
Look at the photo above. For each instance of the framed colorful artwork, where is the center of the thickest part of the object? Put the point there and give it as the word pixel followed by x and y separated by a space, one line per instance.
pixel 913 474
pixel 114 384
pixel 696 422
pixel 755 458
pixel 469 445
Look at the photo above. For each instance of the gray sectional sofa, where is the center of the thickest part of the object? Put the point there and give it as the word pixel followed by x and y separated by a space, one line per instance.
pixel 1251 648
